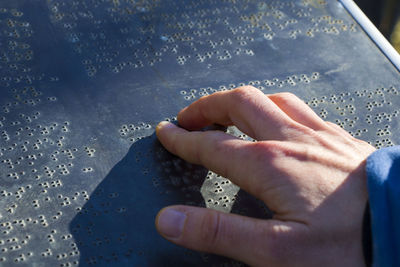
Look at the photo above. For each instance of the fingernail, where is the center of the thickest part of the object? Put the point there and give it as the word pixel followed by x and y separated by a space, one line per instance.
pixel 164 124
pixel 170 223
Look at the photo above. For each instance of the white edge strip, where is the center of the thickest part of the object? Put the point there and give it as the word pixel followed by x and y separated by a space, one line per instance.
pixel 372 32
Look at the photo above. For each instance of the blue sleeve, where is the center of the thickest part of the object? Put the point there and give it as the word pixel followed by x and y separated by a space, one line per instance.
pixel 383 172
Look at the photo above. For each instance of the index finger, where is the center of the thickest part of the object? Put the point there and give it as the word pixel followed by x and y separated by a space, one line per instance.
pixel 246 107
pixel 219 152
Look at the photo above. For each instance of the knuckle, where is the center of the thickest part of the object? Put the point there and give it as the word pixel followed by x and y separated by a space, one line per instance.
pixel 199 150
pixel 202 108
pixel 302 130
pixel 218 146
pixel 203 148
pixel 211 230
pixel 286 96
pixel 211 151
pixel 173 145
pixel 246 88
pixel 245 93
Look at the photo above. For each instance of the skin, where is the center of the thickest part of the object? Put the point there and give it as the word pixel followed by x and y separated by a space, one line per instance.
pixel 309 172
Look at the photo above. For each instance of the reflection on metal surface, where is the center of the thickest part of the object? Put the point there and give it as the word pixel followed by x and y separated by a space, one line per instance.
pixel 83 84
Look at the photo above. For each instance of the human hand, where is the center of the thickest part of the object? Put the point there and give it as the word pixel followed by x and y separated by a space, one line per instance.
pixel 309 172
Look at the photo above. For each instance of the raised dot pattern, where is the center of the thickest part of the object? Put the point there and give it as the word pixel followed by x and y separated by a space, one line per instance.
pixel 62 204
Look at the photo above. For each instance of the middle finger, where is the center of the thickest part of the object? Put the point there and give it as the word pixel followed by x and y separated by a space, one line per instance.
pixel 248 108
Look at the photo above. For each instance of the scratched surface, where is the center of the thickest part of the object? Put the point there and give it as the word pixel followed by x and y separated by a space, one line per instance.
pixel 83 84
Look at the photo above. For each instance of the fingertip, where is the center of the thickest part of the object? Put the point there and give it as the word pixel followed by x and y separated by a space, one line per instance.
pixel 162 126
pixel 170 222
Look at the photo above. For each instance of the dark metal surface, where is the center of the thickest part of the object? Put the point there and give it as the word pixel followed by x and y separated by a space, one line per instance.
pixel 83 84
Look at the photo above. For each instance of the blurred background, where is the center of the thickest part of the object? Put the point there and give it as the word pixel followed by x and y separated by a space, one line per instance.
pixel 385 14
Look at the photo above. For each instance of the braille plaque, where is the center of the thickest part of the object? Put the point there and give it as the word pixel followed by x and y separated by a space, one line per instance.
pixel 83 83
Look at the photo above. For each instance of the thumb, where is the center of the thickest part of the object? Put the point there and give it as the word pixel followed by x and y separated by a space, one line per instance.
pixel 243 238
